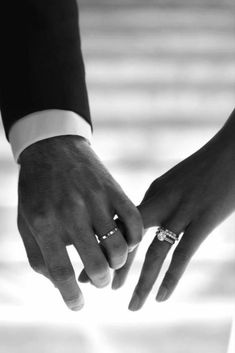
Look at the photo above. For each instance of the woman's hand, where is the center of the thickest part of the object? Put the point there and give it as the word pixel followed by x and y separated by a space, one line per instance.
pixel 193 198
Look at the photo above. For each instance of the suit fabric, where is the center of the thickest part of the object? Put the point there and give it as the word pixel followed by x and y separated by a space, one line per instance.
pixel 41 60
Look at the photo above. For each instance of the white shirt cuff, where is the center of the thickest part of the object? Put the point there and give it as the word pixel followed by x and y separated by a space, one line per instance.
pixel 45 124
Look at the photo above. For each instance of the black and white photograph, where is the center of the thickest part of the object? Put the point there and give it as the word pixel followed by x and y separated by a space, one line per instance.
pixel 117 176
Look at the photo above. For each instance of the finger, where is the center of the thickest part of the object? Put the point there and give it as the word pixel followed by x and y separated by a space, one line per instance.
pixel 131 220
pixel 182 255
pixel 94 261
pixel 154 259
pixel 83 277
pixel 61 272
pixel 33 251
pixel 114 247
pixel 152 264
pixel 153 213
pixel 120 275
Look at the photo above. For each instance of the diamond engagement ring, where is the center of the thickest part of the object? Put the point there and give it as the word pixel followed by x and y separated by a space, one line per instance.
pixel 108 234
pixel 164 234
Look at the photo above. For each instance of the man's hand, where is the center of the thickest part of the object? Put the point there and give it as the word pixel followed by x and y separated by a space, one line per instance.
pixel 66 196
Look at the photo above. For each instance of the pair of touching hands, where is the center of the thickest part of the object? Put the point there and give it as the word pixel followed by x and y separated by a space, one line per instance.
pixel 66 196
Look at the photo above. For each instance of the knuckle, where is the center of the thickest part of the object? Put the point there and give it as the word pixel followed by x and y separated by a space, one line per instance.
pixel 73 209
pixel 36 263
pixel 78 204
pixel 42 224
pixel 60 273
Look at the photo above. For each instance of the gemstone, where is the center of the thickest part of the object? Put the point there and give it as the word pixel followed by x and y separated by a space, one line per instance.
pixel 161 236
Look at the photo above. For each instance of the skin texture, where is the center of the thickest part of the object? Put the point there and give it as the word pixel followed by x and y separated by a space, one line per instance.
pixel 193 197
pixel 66 196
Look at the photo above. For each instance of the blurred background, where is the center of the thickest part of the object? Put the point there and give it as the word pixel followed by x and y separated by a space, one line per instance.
pixel 161 81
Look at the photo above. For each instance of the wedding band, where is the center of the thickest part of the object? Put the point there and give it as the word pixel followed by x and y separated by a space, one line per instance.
pixel 108 234
pixel 164 234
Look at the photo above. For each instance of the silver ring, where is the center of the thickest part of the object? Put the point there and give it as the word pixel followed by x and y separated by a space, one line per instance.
pixel 108 234
pixel 164 234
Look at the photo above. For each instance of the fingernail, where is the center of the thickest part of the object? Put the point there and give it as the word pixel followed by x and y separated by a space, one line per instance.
pixel 75 305
pixel 102 283
pixel 134 303
pixel 162 294
pixel 116 283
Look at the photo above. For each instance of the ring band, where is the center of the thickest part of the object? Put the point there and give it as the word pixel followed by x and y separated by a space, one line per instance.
pixel 108 234
pixel 164 234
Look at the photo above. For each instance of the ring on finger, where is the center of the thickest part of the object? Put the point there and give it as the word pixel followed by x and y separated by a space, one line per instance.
pixel 164 234
pixel 108 234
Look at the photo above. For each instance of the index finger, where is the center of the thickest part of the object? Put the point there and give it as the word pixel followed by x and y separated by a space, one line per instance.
pixel 62 273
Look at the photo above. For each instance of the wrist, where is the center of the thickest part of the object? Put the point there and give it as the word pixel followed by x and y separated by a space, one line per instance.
pixel 52 148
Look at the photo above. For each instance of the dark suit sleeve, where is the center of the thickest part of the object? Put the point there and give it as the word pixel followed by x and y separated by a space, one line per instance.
pixel 41 61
